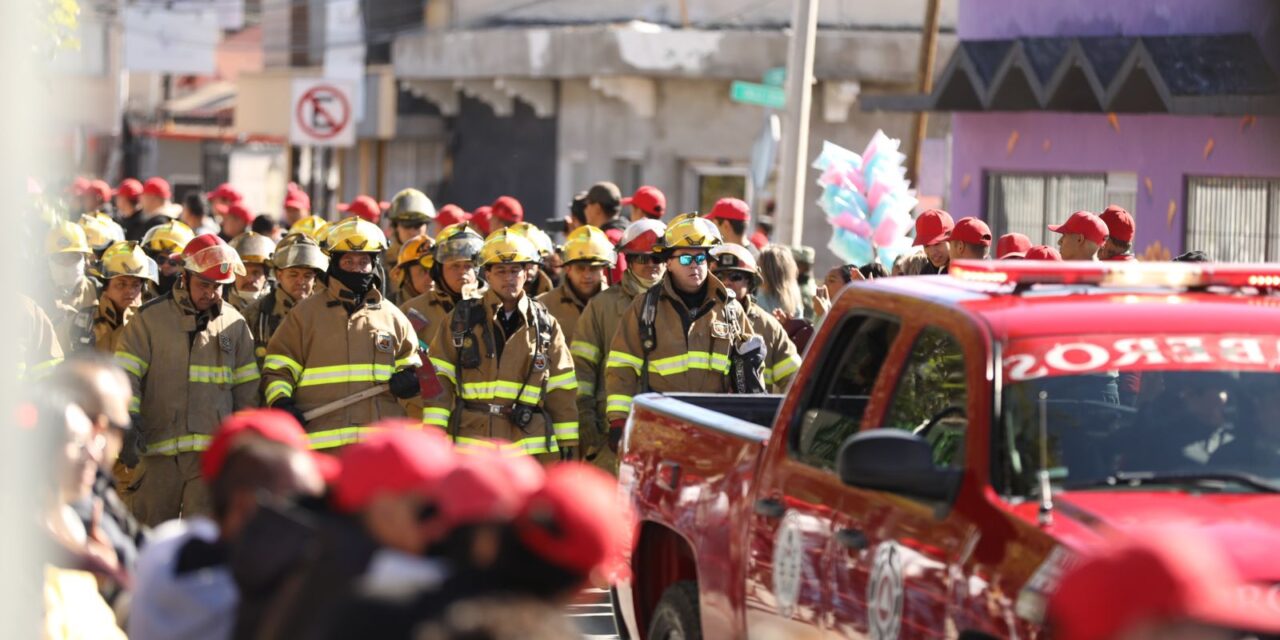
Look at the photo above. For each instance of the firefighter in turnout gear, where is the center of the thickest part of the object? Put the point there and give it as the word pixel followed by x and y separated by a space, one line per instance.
pixel 413 269
pixel 299 264
pixel 189 357
pixel 342 341
pixel 255 252
pixel 597 326
pixel 734 266
pixel 411 211
pixel 503 363
pixel 453 274
pixel 126 269
pixel 686 334
pixel 164 243
pixel 71 288
pixel 101 232
pixel 587 254
pixel 539 281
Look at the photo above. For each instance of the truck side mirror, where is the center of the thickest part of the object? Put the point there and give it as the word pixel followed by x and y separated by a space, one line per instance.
pixel 895 461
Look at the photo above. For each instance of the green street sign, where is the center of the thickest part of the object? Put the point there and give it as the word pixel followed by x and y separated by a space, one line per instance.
pixel 758 94
pixel 775 77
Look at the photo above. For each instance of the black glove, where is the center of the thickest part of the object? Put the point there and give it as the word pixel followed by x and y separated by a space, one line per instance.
pixel 286 404
pixel 129 455
pixel 615 434
pixel 404 383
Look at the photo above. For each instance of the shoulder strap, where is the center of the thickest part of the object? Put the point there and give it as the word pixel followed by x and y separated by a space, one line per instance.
pixel 648 320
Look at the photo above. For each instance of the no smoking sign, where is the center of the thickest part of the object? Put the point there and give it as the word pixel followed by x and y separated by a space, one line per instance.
pixel 322 113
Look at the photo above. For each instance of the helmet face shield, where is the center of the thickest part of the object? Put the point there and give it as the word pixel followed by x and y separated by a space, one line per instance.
pixel 128 259
pixel 460 247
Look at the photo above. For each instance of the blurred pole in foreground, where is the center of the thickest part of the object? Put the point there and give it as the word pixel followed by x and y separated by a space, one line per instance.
pixel 928 58
pixel 795 133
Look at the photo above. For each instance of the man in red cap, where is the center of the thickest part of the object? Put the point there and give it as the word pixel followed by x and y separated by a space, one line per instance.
pixel 933 229
pixel 505 211
pixel 235 220
pixel 364 207
pixel 1012 246
pixel 1043 252
pixel 648 202
pixel 482 220
pixel 1120 231
pixel 297 205
pixel 224 196
pixel 731 216
pixel 1082 235
pixel 126 200
pixel 970 240
pixel 449 214
pixel 153 204
pixel 184 587
pixel 95 196
pixel 1162 584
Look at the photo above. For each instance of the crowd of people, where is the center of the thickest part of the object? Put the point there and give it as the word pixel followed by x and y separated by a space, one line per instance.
pixel 399 422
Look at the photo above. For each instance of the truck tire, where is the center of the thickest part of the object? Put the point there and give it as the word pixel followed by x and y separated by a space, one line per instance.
pixel 677 616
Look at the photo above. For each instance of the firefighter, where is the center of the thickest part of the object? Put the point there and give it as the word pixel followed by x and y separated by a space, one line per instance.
pixel 255 252
pixel 686 334
pixel 71 288
pixel 342 341
pixel 310 226
pixel 190 361
pixel 126 269
pixel 453 274
pixel 541 278
pixel 299 264
pixel 504 362
pixel 595 329
pixel 165 244
pixel 587 254
pixel 413 269
pixel 101 232
pixel 734 266
pixel 411 211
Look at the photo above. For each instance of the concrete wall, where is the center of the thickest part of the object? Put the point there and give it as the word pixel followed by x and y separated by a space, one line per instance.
pixel 495 156
pixel 902 13
pixel 1160 148
pixel 695 124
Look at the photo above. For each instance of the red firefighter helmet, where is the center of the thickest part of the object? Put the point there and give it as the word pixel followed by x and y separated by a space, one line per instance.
pixel 642 236
pixel 209 257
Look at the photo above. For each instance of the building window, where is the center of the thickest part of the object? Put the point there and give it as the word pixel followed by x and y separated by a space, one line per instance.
pixel 1234 219
pixel 1028 202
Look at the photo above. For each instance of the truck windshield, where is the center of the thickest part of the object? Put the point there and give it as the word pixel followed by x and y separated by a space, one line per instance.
pixel 1201 415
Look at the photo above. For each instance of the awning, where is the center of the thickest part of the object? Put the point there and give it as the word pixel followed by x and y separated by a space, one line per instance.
pixel 1189 74
pixel 210 101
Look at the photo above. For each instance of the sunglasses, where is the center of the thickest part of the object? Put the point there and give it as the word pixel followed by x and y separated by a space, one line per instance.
pixel 688 259
pixel 642 258
pixel 735 276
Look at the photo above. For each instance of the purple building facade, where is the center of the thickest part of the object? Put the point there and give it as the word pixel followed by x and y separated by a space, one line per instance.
pixel 1191 181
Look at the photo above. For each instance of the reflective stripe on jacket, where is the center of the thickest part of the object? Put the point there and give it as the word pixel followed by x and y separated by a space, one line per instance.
pixel 320 353
pixel 186 379
pixel 499 381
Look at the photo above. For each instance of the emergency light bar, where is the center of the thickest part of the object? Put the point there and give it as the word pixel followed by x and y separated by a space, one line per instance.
pixel 1173 275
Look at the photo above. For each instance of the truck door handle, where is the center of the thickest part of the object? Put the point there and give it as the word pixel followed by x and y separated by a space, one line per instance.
pixel 852 538
pixel 770 508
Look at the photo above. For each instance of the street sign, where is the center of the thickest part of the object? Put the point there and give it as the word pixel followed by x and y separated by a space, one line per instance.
pixel 322 113
pixel 764 152
pixel 758 94
pixel 775 77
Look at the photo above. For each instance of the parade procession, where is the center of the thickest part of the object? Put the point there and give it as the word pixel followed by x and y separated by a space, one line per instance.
pixel 669 319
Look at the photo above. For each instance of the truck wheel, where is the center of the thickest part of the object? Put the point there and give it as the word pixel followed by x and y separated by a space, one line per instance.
pixel 677 616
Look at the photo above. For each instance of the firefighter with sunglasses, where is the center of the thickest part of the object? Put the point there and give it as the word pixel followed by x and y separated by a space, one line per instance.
pixel 164 244
pixel 734 265
pixel 686 334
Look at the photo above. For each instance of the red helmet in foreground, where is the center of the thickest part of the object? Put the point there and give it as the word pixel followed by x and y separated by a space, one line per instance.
pixel 209 257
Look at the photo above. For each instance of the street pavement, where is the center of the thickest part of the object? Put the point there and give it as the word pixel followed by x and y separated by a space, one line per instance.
pixel 592 614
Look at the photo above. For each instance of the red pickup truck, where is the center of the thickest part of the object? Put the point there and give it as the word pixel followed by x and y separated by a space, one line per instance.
pixel 952 444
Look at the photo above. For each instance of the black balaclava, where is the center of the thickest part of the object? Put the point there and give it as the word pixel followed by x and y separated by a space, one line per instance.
pixel 360 284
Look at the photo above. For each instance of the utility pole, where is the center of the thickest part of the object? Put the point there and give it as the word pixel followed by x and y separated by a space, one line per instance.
pixel 928 58
pixel 795 134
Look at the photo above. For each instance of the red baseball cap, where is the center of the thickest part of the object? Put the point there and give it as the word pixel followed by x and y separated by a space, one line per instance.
pixel 649 200
pixel 1043 252
pixel 1120 225
pixel 78 186
pixel 396 461
pixel 1163 575
pixel 1012 245
pixel 971 230
pixel 226 192
pixel 363 206
pixel 508 209
pixel 1084 223
pixel 450 214
pixel 158 187
pixel 272 424
pixel 99 188
pixel 477 491
pixel 577 521
pixel 129 188
pixel 933 226
pixel 730 209
pixel 239 211
pixel 481 219
pixel 298 200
